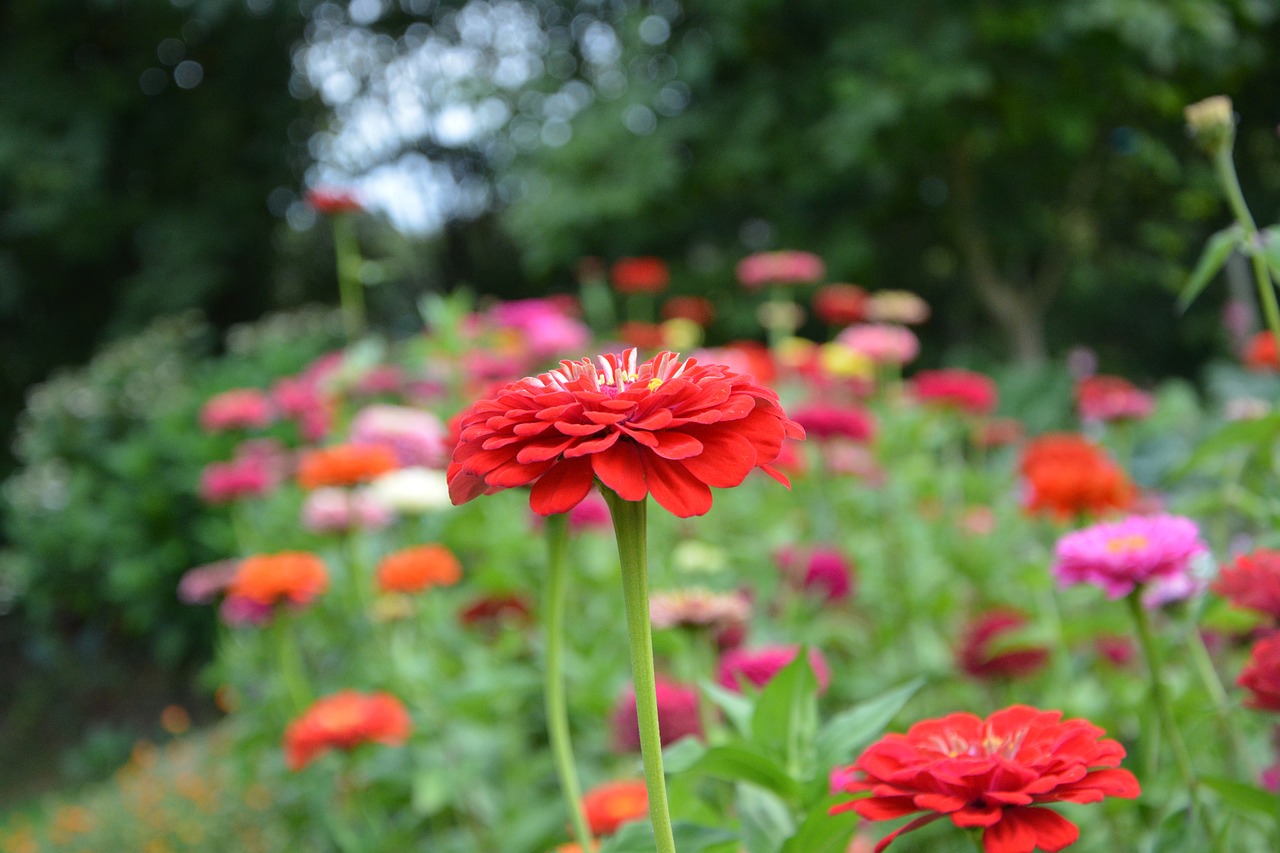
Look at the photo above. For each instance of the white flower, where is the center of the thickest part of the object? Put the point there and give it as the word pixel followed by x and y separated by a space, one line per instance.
pixel 411 491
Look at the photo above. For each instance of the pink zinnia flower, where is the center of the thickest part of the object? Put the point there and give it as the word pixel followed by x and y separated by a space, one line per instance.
pixel 759 666
pixel 224 482
pixel 824 571
pixel 961 389
pixel 824 420
pixel 338 510
pixel 785 267
pixel 677 716
pixel 332 200
pixel 299 399
pixel 546 326
pixel 1111 398
pixel 1138 550
pixel 883 343
pixel 591 514
pixel 666 427
pixel 239 408
pixel 418 438
pixel 203 584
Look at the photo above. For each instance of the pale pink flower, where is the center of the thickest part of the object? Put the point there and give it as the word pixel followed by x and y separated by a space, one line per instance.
pixel 1111 398
pixel 784 267
pixel 546 326
pixel 1135 551
pixel 418 437
pixel 698 607
pixel 335 510
pixel 239 408
pixel 897 306
pixel 883 343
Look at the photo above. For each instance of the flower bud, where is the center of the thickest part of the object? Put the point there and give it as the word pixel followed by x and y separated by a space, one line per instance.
pixel 1211 122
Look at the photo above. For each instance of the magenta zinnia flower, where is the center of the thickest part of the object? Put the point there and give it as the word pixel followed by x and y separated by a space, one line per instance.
pixel 759 666
pixel 666 427
pixel 1119 556
pixel 783 267
pixel 677 716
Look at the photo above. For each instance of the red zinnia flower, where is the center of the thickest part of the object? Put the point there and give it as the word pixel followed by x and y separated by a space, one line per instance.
pixel 841 304
pixel 344 721
pixel 1261 353
pixel 640 275
pixel 981 656
pixel 1252 582
pixel 331 200
pixel 824 420
pixel 1111 398
pixel 667 427
pixel 990 773
pixel 612 804
pixel 696 308
pixel 965 390
pixel 1261 676
pixel 1066 476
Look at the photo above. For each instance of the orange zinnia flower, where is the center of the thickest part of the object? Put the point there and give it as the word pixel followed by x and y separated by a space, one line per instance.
pixel 295 577
pixel 1066 476
pixel 612 804
pixel 344 721
pixel 415 569
pixel 345 465
pixel 666 427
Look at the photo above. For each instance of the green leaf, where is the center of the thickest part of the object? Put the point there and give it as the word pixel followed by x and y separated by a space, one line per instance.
pixel 742 761
pixel 766 820
pixel 682 755
pixel 1268 248
pixel 637 837
pixel 823 832
pixel 1248 799
pixel 1253 432
pixel 785 721
pixel 849 731
pixel 1216 251
pixel 736 707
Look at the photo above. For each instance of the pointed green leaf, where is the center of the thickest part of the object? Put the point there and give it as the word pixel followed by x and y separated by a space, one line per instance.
pixel 847 732
pixel 1268 248
pixel 1248 799
pixel 823 832
pixel 766 820
pixel 746 762
pixel 1216 251
pixel 785 721
pixel 737 708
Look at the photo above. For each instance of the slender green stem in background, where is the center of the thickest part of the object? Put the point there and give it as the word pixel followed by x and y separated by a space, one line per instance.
pixel 553 678
pixel 1226 169
pixel 1160 698
pixel 1208 673
pixel 629 527
pixel 290 663
pixel 346 251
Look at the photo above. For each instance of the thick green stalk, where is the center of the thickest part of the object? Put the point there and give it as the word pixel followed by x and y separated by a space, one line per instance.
pixel 1160 698
pixel 347 255
pixel 1226 169
pixel 629 528
pixel 553 678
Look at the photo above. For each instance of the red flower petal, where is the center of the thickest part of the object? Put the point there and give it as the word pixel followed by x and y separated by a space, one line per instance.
pixel 1044 828
pixel 562 487
pixel 672 486
pixel 619 467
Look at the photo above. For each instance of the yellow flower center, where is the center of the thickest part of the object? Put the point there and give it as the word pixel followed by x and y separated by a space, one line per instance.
pixel 655 384
pixel 1122 544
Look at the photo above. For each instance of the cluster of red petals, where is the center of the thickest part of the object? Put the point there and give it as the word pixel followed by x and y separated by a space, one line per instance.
pixel 331 200
pixel 990 773
pixel 982 655
pixel 1067 476
pixel 965 390
pixel 824 420
pixel 490 611
pixel 640 275
pixel 1111 398
pixel 345 465
pixel 417 568
pixel 1252 582
pixel 345 720
pixel 841 304
pixel 668 428
pixel 292 577
pixel 1261 675
pixel 1261 353
pixel 612 804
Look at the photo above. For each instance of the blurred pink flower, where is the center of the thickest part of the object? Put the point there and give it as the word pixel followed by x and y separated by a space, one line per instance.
pixel 239 611
pixel 380 379
pixel 784 267
pixel 826 420
pixel 881 342
pixel 224 482
pixel 337 510
pixel 824 571
pixel 897 306
pixel 961 389
pixel 759 666
pixel 1135 551
pixel 677 716
pixel 591 514
pixel 546 325
pixel 418 438
pixel 698 607
pixel 203 584
pixel 239 408
pixel 299 399
pixel 1111 398
pixel 982 655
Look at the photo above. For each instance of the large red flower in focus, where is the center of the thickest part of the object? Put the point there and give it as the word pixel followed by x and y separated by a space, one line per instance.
pixel 667 427
pixel 344 721
pixel 990 773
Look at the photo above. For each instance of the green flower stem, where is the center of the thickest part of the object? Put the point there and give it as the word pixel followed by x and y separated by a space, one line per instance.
pixel 346 249
pixel 1226 169
pixel 553 678
pixel 629 528
pixel 290 662
pixel 1213 686
pixel 1160 697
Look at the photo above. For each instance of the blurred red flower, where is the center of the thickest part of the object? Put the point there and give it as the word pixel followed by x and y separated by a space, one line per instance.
pixel 1261 675
pixel 841 304
pixel 239 408
pixel 963 389
pixel 982 655
pixel 1066 475
pixel 677 716
pixel 990 773
pixel 759 666
pixel 1261 353
pixel 640 275
pixel 696 308
pixel 331 200
pixel 1111 398
pixel 612 804
pixel 1252 582
pixel 666 427
pixel 344 721
pixel 825 420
